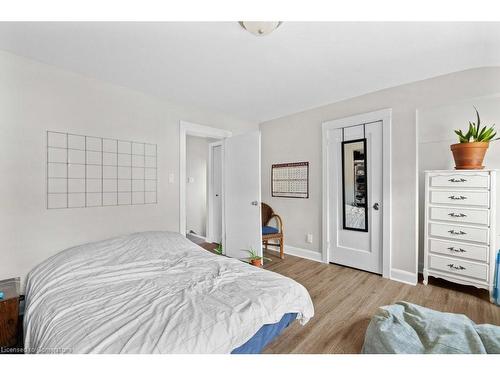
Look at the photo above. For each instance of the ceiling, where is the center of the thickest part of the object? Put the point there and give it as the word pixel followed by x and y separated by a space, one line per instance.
pixel 220 66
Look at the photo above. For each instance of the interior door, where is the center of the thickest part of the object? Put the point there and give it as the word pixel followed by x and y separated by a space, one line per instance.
pixel 355 157
pixel 216 191
pixel 242 195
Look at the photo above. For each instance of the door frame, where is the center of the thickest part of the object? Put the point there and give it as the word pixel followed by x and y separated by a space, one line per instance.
pixel 210 187
pixel 188 128
pixel 385 116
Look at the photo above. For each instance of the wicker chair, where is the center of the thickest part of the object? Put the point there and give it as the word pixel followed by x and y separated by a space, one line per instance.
pixel 271 233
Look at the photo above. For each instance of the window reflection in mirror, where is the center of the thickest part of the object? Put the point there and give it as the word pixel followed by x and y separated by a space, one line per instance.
pixel 354 185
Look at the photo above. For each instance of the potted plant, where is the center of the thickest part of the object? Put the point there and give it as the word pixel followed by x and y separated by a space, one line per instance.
pixel 255 259
pixel 469 153
pixel 218 249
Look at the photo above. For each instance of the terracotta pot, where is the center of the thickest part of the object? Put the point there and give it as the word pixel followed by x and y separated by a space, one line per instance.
pixel 469 155
pixel 256 262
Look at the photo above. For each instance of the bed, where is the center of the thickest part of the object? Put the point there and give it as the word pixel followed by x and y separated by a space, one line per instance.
pixel 355 216
pixel 156 292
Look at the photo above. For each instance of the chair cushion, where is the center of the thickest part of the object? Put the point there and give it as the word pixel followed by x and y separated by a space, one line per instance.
pixel 269 230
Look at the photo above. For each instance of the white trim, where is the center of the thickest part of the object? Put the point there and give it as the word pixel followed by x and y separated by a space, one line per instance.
pixel 185 129
pixel 384 115
pixel 301 253
pixel 210 187
pixel 404 276
pixel 417 198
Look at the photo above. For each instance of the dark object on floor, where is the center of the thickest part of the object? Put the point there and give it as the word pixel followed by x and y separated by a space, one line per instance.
pixel 9 314
pixel 271 233
pixel 266 334
pixel 406 328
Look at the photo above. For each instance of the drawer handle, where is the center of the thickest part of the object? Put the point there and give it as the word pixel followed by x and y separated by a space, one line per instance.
pixel 459 198
pixel 457 232
pixel 452 266
pixel 459 250
pixel 457 180
pixel 452 214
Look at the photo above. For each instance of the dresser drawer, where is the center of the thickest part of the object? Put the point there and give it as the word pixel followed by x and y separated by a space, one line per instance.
pixel 463 198
pixel 459 249
pixel 459 232
pixel 459 267
pixel 480 180
pixel 460 215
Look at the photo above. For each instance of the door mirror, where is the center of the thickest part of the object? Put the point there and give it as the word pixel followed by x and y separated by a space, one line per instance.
pixel 354 185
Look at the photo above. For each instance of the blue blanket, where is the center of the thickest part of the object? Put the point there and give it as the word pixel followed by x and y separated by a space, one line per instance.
pixel 265 335
pixel 496 286
pixel 412 329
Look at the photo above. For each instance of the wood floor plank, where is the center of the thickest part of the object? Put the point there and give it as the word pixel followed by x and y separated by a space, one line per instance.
pixel 345 300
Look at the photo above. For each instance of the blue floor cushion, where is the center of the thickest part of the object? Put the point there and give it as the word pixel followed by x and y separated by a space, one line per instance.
pixel 412 329
pixel 269 230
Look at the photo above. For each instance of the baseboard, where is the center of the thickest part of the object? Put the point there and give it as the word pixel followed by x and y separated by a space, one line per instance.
pixel 403 276
pixel 301 253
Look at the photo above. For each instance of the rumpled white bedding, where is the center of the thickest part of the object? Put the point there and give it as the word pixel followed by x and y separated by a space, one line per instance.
pixel 355 216
pixel 152 292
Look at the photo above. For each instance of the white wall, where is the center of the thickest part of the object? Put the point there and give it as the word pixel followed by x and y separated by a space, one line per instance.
pixel 35 97
pixel 196 191
pixel 298 138
pixel 435 135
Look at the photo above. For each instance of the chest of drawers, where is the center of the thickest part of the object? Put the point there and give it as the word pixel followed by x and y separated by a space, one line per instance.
pixel 460 242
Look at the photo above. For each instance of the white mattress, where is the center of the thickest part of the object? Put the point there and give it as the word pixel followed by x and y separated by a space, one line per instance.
pixel 152 292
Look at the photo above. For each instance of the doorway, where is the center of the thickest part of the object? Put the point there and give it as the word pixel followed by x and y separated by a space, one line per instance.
pixel 240 188
pixel 356 192
pixel 209 135
pixel 200 175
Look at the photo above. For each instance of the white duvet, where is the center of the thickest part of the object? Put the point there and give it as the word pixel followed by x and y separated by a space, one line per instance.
pixel 152 292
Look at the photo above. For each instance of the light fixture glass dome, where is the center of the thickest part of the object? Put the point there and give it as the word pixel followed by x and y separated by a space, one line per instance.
pixel 260 28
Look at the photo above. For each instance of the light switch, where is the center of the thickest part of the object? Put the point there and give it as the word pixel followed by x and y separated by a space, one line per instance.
pixel 190 180
pixel 171 178
pixel 309 238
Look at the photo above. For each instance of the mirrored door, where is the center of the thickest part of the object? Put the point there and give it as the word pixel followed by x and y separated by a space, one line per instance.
pixel 354 185
pixel 355 196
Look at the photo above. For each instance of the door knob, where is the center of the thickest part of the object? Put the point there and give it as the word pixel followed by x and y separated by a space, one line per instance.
pixel 376 206
pixel 255 203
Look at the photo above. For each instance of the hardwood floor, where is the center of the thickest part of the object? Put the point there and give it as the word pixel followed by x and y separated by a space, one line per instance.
pixel 206 245
pixel 345 299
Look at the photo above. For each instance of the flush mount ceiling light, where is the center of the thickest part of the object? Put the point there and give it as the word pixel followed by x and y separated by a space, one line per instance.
pixel 260 28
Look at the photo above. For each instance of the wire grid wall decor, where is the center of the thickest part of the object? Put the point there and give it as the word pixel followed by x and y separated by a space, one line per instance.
pixel 290 180
pixel 85 171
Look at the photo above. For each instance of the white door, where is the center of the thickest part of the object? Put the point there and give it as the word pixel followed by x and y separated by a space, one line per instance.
pixel 242 195
pixel 355 175
pixel 214 222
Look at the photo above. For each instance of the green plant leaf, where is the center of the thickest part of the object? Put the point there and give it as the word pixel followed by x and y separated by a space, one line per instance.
pixel 481 133
pixel 490 137
pixel 486 135
pixel 478 119
pixel 473 131
pixel 461 137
